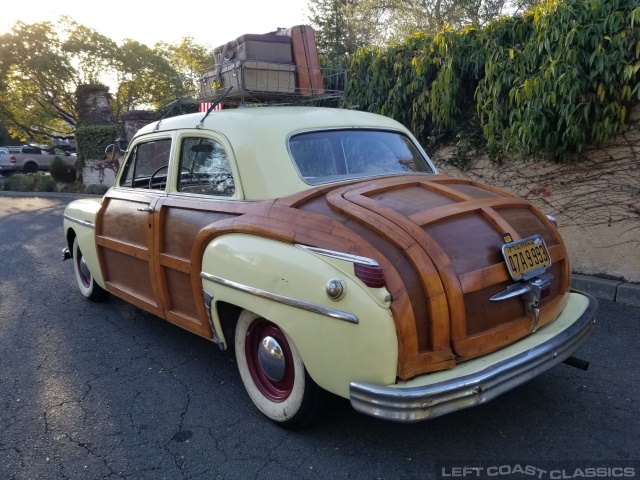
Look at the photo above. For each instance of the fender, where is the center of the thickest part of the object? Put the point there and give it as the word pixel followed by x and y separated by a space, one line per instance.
pixel 261 275
pixel 80 216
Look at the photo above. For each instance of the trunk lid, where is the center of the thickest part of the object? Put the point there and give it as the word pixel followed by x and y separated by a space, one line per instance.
pixel 441 239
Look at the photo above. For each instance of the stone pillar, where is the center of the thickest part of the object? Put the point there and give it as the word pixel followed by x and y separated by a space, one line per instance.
pixel 93 105
pixel 94 110
pixel 135 120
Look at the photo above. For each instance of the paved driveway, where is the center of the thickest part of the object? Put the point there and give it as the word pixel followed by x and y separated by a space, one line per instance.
pixel 91 391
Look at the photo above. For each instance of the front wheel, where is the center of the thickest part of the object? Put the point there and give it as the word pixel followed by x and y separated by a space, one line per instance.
pixel 30 168
pixel 273 373
pixel 88 286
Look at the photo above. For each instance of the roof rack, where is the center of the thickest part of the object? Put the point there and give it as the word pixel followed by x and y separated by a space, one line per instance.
pixel 255 82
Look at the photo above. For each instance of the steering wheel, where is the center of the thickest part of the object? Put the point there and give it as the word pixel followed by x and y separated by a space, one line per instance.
pixel 183 169
pixel 154 174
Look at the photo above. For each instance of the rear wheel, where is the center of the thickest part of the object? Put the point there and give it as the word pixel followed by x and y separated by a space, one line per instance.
pixel 273 373
pixel 30 168
pixel 88 286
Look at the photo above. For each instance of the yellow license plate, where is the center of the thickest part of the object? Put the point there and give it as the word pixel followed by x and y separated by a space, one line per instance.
pixel 526 258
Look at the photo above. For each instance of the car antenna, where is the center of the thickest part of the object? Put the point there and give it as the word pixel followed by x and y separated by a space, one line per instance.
pixel 214 105
pixel 174 104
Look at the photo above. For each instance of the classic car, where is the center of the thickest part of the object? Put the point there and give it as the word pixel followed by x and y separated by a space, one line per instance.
pixel 322 246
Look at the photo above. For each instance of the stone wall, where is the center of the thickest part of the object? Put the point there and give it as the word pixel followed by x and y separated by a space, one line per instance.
pixel 135 120
pixel 92 174
pixel 595 196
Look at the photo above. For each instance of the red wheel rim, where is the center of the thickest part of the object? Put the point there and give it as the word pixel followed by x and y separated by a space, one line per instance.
pixel 85 279
pixel 276 391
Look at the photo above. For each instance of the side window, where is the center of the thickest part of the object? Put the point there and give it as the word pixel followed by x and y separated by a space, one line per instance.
pixel 205 168
pixel 147 165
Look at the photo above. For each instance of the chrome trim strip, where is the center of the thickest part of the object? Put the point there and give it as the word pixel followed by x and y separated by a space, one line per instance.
pixel 208 299
pixel 339 255
pixel 292 302
pixel 411 404
pixel 84 223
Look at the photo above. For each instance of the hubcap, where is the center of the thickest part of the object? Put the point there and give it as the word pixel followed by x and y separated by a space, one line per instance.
pixel 269 360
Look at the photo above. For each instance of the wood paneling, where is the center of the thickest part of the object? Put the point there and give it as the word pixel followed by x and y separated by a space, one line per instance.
pixel 437 239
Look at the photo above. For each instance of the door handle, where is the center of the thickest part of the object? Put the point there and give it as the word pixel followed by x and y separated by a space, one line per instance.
pixel 145 209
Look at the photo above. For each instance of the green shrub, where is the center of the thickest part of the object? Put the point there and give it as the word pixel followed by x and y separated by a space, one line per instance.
pixel 92 140
pixel 61 171
pixel 555 80
pixel 31 182
pixel 46 184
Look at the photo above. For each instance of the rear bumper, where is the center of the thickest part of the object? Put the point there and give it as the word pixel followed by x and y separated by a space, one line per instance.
pixel 482 379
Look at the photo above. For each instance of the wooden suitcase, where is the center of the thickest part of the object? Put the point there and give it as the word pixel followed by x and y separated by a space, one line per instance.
pixel 305 56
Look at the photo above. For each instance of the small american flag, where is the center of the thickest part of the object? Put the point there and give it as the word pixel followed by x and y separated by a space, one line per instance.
pixel 204 106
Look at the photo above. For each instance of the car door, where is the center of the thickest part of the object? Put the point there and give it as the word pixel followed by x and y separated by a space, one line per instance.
pixel 126 225
pixel 204 190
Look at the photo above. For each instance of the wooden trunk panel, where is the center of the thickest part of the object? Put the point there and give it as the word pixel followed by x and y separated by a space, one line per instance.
pixel 470 242
pixel 411 200
pixel 461 232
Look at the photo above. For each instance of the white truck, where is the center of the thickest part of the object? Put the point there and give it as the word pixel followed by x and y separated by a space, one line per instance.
pixel 32 159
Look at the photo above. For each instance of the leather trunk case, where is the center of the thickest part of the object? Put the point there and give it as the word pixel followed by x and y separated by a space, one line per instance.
pixel 268 47
pixel 258 76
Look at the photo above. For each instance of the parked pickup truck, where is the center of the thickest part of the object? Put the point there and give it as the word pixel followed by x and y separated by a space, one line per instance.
pixel 32 159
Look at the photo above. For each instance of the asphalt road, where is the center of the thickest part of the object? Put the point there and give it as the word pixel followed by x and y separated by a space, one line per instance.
pixel 91 391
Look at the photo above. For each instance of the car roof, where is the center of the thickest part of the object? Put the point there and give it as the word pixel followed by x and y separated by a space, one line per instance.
pixel 281 118
pixel 259 139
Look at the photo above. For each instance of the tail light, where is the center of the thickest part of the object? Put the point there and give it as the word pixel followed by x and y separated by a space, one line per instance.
pixel 371 275
pixel 553 220
pixel 12 159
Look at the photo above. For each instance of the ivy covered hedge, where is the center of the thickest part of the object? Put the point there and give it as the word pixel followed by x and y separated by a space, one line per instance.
pixel 554 80
pixel 91 141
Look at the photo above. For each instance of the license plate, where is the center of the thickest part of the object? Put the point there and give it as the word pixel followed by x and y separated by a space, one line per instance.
pixel 526 258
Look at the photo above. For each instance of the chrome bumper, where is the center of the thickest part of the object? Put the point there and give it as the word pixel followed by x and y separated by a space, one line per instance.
pixel 493 374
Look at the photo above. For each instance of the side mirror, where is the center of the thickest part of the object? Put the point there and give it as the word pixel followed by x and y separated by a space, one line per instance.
pixel 112 152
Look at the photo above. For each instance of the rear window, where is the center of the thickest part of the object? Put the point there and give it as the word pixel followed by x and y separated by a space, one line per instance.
pixel 329 156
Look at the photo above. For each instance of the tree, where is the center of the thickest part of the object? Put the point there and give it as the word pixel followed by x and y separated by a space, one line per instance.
pixel 35 75
pixel 344 26
pixel 336 30
pixel 41 66
pixel 190 61
pixel 143 76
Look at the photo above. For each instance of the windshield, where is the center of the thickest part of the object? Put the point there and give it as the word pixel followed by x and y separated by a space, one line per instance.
pixel 329 156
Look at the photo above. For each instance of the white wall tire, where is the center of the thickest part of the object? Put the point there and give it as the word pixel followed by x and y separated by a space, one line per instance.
pixel 87 285
pixel 290 398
